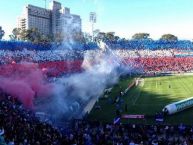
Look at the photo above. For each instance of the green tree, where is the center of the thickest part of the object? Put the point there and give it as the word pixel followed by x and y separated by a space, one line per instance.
pixel 169 37
pixel 46 38
pixel 100 36
pixel 32 35
pixel 2 32
pixel 116 38
pixel 110 36
pixel 16 32
pixel 138 36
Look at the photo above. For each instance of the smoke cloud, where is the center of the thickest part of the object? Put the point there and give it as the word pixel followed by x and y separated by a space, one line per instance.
pixel 24 82
pixel 72 93
pixel 67 96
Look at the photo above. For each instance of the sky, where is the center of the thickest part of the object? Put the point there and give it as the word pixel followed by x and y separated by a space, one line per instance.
pixel 124 17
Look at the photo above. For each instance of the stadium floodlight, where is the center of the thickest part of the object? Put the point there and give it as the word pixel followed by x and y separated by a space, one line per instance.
pixel 46 3
pixel 92 21
pixel 93 17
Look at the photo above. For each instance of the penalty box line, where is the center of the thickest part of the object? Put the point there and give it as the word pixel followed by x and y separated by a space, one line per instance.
pixel 139 93
pixel 136 98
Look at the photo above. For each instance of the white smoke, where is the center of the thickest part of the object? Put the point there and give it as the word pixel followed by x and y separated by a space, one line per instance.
pixel 101 69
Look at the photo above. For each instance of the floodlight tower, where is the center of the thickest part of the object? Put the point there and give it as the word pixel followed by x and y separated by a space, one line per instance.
pixel 92 21
pixel 45 3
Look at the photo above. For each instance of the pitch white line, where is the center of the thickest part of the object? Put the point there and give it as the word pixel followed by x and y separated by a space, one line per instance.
pixel 137 97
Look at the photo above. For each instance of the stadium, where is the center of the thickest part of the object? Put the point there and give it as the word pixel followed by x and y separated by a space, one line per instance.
pixel 146 80
pixel 62 85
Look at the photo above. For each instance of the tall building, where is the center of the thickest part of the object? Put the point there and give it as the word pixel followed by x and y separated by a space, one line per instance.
pixel 50 21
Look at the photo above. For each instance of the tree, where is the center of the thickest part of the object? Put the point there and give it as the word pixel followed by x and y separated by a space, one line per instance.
pixel 2 32
pixel 100 37
pixel 16 32
pixel 116 38
pixel 46 38
pixel 32 35
pixel 110 36
pixel 87 37
pixel 169 37
pixel 139 36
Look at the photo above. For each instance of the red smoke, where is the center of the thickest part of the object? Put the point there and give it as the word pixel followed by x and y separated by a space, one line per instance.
pixel 25 82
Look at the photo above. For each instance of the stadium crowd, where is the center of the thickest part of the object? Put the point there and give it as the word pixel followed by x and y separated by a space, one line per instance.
pixel 17 51
pixel 7 56
pixel 20 126
pixel 165 64
pixel 120 43
pixel 58 62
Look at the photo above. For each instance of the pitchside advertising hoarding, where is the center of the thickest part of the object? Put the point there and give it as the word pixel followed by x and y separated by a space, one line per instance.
pixel 178 106
pixel 137 116
pixel 185 104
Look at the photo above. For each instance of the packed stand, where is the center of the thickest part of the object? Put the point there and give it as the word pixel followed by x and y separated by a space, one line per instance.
pixel 7 56
pixel 19 126
pixel 163 64
pixel 148 56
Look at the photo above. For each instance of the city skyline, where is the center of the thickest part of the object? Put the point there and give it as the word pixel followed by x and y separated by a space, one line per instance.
pixel 125 18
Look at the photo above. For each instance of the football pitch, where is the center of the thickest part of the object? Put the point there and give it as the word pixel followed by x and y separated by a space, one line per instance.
pixel 147 99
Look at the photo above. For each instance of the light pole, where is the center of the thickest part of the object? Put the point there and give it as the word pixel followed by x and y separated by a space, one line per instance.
pixel 45 3
pixel 92 21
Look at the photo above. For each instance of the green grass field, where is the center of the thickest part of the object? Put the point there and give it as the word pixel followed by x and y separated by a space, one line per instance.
pixel 148 99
